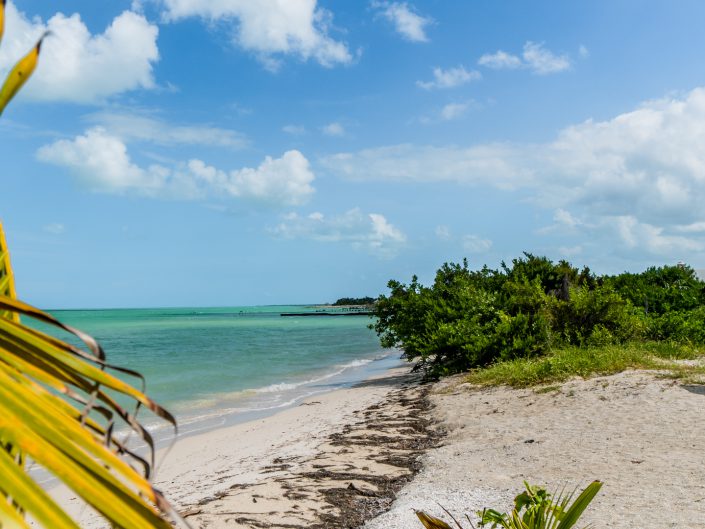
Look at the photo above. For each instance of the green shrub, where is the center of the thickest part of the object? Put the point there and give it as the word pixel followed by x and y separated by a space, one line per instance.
pixel 472 318
pixel 678 326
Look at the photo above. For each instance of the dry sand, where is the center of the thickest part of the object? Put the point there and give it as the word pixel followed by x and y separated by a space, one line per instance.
pixel 344 456
pixel 642 436
pixel 336 459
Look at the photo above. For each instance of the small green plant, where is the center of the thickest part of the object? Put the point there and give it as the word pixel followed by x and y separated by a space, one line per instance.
pixel 533 509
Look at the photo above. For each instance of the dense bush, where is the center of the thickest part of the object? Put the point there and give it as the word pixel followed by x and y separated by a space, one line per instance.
pixel 471 318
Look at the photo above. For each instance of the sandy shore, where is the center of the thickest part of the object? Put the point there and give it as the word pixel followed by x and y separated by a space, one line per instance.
pixel 347 456
pixel 642 436
pixel 335 460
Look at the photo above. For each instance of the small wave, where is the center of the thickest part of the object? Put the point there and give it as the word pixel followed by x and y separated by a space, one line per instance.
pixel 288 386
pixel 271 397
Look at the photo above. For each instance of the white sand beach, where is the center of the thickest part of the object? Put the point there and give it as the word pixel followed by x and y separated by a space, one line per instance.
pixel 644 437
pixel 346 456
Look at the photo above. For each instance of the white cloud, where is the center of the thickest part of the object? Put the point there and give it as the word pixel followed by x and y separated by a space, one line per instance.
pixel 371 232
pixel 80 67
pixel 535 57
pixel 271 28
pixel 449 112
pixel 131 126
pixel 449 78
pixel 453 111
pixel 543 61
pixel 565 218
pixel 55 228
pixel 475 244
pixel 294 130
pixel 443 233
pixel 640 175
pixel 425 163
pixel 500 60
pixel 637 234
pixel 695 227
pixel 583 52
pixel 405 20
pixel 333 129
pixel 102 163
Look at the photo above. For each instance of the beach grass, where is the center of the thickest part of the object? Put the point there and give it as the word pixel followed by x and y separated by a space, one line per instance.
pixel 564 363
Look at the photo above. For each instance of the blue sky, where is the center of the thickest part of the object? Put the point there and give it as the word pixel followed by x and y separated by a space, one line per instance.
pixel 228 152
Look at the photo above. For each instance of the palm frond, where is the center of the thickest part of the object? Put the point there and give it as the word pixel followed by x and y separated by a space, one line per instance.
pixel 21 72
pixel 58 409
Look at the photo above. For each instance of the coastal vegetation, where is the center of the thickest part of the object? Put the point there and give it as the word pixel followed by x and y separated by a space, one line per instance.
pixel 534 508
pixel 354 301
pixel 60 408
pixel 535 321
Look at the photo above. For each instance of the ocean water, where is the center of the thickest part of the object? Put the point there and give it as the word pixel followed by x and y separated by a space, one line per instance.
pixel 217 366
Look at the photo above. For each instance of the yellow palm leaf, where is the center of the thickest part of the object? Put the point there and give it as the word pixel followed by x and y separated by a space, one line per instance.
pixel 66 440
pixel 19 74
pixel 7 280
pixel 2 18
pixel 431 522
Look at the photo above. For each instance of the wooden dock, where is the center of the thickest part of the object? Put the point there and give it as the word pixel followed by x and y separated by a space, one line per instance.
pixel 349 313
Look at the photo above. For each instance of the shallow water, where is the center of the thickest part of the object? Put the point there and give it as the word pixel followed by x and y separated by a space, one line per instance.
pixel 216 366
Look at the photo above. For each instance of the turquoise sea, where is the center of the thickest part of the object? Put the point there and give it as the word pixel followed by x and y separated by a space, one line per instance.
pixel 217 366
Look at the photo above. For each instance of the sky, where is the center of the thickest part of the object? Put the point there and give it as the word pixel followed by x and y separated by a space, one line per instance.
pixel 229 152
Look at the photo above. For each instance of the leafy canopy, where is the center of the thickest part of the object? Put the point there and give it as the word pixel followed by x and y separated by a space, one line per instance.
pixel 470 318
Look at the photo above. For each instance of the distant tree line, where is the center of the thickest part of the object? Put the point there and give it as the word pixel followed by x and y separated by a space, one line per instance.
pixel 470 318
pixel 354 301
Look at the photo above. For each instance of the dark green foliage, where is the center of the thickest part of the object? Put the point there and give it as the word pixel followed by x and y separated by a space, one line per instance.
pixel 472 318
pixel 354 301
pixel 661 290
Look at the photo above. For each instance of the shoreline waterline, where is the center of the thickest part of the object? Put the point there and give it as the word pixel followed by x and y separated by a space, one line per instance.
pixel 259 403
pixel 202 467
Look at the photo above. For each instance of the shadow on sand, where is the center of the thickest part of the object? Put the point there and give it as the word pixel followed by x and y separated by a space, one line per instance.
pixel 694 388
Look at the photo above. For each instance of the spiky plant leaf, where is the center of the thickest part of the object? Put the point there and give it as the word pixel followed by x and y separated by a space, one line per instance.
pixel 431 522
pixel 7 281
pixel 18 76
pixel 57 409
pixel 570 515
pixel 66 440
pixel 2 18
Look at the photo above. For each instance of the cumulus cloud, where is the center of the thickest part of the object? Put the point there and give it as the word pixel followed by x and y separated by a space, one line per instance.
pixel 449 78
pixel 101 162
pixel 294 130
pixel 270 28
pixel 443 232
pixel 453 111
pixel 371 232
pixel 637 234
pixel 406 21
pixel 333 129
pixel 131 126
pixel 535 57
pixel 78 66
pixel 500 60
pixel 640 175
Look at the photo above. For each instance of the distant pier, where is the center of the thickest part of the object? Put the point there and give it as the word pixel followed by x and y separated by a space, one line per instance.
pixel 323 313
